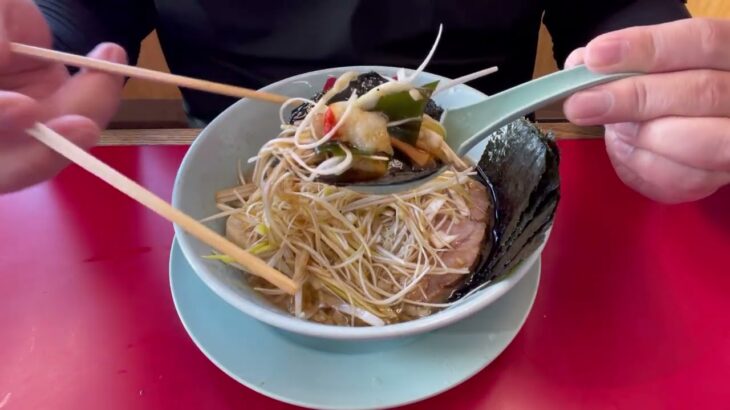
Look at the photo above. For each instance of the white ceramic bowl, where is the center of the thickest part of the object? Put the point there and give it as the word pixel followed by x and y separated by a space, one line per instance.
pixel 237 134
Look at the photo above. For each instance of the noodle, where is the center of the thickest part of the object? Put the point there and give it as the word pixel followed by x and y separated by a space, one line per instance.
pixel 362 250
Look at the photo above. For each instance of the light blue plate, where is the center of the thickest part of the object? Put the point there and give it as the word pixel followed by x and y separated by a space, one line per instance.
pixel 359 375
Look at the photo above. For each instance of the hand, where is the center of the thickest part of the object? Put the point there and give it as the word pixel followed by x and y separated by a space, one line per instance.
pixel 667 132
pixel 35 91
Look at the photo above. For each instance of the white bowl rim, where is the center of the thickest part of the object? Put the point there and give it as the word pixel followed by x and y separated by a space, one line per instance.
pixel 287 322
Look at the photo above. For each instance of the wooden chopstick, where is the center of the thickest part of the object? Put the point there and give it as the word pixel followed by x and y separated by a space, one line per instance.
pixel 143 73
pixel 114 178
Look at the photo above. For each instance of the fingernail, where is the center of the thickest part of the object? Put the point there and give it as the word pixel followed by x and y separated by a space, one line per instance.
pixel 606 53
pixel 575 58
pixel 571 62
pixel 589 104
pixel 626 130
pixel 621 149
pixel 109 52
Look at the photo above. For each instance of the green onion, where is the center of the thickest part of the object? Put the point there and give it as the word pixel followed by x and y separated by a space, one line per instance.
pixel 222 258
pixel 261 248
pixel 261 229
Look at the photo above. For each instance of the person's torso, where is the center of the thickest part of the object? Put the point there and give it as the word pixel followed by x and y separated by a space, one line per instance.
pixel 254 43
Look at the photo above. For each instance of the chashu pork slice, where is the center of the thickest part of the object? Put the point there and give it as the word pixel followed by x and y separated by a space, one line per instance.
pixel 464 252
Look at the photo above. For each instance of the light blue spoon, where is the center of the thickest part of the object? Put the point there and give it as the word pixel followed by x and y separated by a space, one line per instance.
pixel 469 125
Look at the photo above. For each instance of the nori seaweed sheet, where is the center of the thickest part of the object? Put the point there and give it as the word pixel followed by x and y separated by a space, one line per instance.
pixel 360 84
pixel 520 165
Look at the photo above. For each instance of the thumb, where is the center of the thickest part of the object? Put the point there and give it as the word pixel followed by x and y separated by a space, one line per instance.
pixel 89 93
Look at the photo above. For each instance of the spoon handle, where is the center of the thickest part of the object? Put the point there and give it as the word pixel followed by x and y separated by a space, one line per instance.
pixel 471 124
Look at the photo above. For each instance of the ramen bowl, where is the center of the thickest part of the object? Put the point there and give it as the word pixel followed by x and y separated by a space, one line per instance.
pixel 236 135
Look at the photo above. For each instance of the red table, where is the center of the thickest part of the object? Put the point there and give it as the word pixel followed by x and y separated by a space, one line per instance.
pixel 633 309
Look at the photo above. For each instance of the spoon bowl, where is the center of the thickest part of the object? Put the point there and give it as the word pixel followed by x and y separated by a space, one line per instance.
pixel 469 125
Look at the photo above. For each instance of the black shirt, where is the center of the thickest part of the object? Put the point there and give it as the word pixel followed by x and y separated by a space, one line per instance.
pixel 254 43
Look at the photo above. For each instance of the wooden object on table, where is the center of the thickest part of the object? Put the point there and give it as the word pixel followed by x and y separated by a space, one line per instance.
pixel 709 8
pixel 169 136
pixel 185 136
pixel 149 113
pixel 152 57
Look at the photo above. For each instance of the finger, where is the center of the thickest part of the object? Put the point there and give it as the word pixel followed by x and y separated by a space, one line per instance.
pixel 660 178
pixel 686 93
pixel 679 45
pixel 702 143
pixel 80 130
pixel 17 112
pixel 22 22
pixel 575 58
pixel 31 163
pixel 92 94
